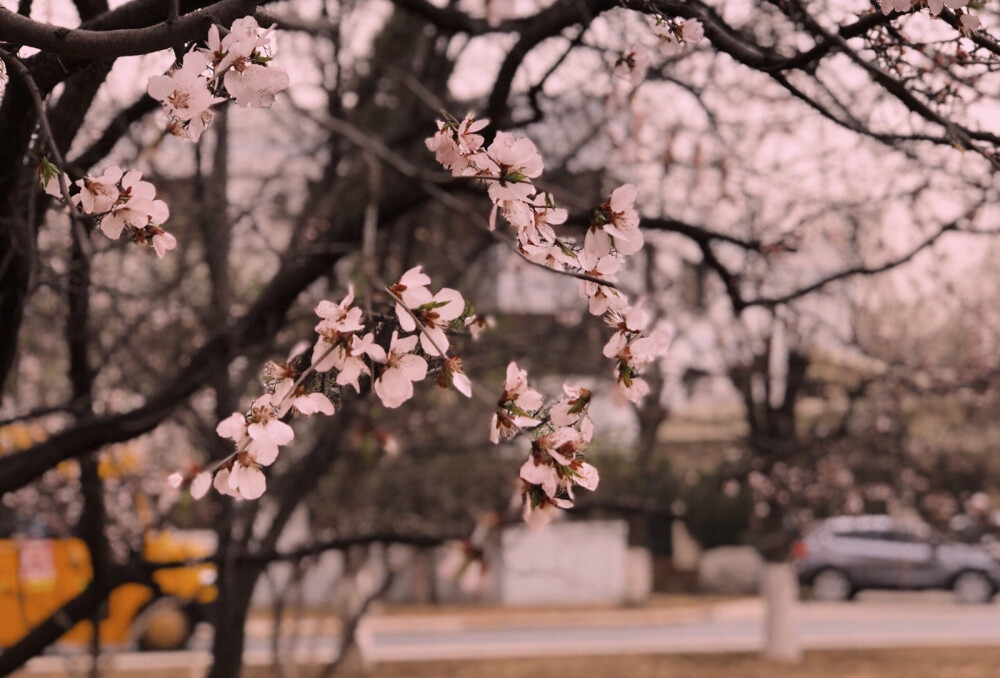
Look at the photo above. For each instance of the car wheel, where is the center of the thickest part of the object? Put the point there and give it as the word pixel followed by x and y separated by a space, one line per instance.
pixel 832 586
pixel 973 587
pixel 163 626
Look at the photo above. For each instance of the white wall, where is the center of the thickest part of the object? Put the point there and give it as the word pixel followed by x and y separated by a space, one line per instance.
pixel 565 564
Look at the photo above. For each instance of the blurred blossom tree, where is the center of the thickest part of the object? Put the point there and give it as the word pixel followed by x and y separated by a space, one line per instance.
pixel 785 152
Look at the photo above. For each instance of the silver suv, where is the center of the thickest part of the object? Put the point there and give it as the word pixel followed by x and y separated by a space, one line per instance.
pixel 843 555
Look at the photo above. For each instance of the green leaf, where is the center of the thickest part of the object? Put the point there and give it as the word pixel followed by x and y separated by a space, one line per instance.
pixel 47 170
pixel 432 305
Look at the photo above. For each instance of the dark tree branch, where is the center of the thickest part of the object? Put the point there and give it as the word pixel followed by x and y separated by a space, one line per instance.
pixel 101 44
pixel 62 620
pixel 115 130
pixel 781 299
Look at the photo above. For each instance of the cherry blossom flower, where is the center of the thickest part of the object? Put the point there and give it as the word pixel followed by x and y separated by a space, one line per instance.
pixel 452 375
pixel 244 36
pixel 445 149
pixel 556 465
pixel 253 84
pixel 218 56
pixel 536 471
pixel 162 241
pixel 517 159
pixel 395 385
pixel 516 404
pixel 622 220
pixel 968 24
pixel 631 387
pixel 244 479
pixel 221 483
pixel 97 194
pixel 464 562
pixel 455 142
pixel 602 266
pixel 539 511
pixel 502 426
pixel 571 407
pixel 627 323
pixel 339 318
pixel 888 6
pixel 516 212
pixel 289 396
pixel 665 33
pixel 935 6
pixel 477 324
pixel 517 396
pixel 412 291
pixel 245 74
pixel 52 186
pixel 563 444
pixel 136 207
pixel 691 31
pixel 543 213
pixel 200 484
pixel 335 329
pixel 435 312
pixel 437 315
pixel 635 355
pixel 632 64
pixel 266 431
pixel 185 93
pixel 555 256
pixel 348 358
pixel 233 427
pixel 260 438
pixel 587 476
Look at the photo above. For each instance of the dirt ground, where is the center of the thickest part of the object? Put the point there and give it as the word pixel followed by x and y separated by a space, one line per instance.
pixel 976 662
pixel 908 663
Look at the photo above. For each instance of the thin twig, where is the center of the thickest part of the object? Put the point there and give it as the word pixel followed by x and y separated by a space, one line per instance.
pixel 369 229
pixel 22 71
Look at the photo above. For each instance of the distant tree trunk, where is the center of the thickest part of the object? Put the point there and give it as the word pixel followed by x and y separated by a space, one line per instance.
pixel 770 385
pixel 235 589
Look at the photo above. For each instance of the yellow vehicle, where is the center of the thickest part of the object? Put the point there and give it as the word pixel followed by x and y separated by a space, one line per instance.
pixel 38 576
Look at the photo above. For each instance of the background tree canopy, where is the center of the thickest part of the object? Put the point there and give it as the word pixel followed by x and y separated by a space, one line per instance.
pixel 814 179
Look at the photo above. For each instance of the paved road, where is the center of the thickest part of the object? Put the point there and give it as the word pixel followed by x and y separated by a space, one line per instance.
pixel 875 621
pixel 718 628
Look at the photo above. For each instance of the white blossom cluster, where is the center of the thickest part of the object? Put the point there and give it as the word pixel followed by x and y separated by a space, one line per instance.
pixel 508 165
pixel 345 345
pixel 967 23
pixel 236 66
pixel 123 202
pixel 555 464
pixel 633 62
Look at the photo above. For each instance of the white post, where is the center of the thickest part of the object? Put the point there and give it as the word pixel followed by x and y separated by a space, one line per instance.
pixel 780 588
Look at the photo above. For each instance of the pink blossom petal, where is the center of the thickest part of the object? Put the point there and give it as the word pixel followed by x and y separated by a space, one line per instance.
pixel 462 384
pixel 234 426
pixel 250 481
pixel 200 484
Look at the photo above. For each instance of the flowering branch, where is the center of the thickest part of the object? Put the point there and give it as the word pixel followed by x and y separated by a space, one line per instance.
pixel 236 66
pixel 124 203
